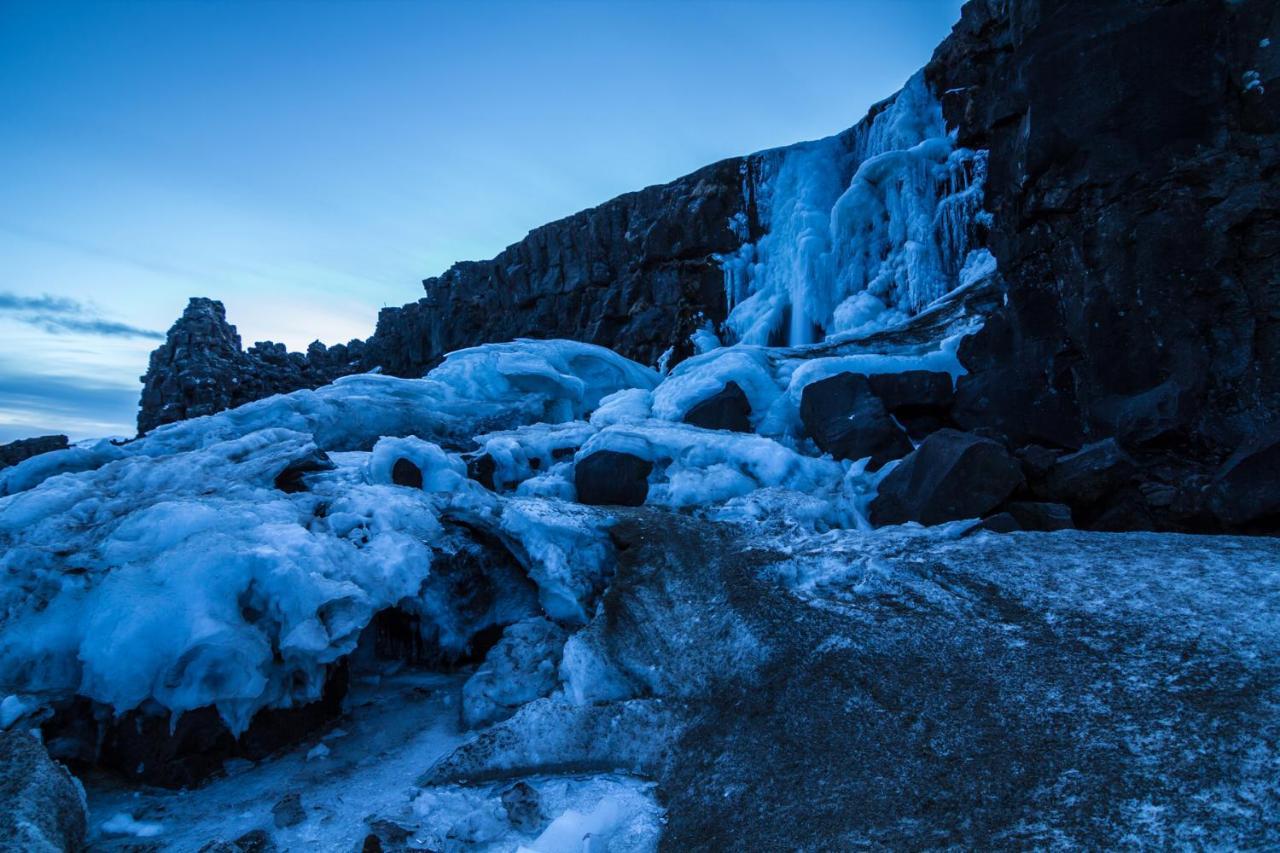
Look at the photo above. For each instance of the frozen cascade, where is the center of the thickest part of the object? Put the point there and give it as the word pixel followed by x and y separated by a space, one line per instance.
pixel 864 228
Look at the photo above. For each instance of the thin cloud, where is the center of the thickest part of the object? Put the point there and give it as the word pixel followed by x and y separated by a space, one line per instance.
pixel 59 315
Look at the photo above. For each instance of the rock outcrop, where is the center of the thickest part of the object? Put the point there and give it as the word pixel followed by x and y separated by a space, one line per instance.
pixel 201 368
pixel 24 448
pixel 41 805
pixel 1133 181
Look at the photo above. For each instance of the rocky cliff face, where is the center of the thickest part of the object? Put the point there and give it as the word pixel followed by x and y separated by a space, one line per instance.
pixel 1131 203
pixel 1134 154
pixel 633 274
pixel 201 368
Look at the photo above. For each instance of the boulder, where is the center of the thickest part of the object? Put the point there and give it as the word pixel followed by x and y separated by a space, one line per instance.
pixel 846 419
pixel 1035 515
pixel 523 806
pixel 951 475
pixel 1247 487
pixel 405 473
pixel 24 448
pixel 727 409
pixel 1090 474
pixel 913 389
pixel 522 667
pixel 41 804
pixel 291 478
pixel 1001 522
pixel 611 478
pixel 481 468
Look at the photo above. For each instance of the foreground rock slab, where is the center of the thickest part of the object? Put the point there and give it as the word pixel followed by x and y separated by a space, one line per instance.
pixel 916 690
pixel 41 804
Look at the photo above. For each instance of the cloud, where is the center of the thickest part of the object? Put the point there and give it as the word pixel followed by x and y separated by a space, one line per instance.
pixel 59 315
pixel 31 405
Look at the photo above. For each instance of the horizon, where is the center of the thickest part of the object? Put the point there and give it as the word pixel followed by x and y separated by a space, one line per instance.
pixel 308 170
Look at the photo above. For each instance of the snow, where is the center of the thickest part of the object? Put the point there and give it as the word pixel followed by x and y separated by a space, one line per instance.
pixel 123 823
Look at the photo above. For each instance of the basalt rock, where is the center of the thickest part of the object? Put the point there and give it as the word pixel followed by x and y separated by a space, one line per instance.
pixel 24 448
pixel 727 409
pixel 610 478
pixel 1133 182
pixel 846 419
pixel 41 804
pixel 202 369
pixel 951 475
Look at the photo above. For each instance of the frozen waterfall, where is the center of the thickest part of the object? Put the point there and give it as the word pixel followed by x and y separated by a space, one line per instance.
pixel 863 229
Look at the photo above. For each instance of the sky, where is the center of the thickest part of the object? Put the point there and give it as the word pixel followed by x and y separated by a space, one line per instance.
pixel 311 162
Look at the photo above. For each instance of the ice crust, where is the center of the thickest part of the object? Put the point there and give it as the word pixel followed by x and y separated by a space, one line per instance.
pixel 864 229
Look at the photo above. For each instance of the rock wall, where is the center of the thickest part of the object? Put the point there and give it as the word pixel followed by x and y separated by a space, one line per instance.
pixel 1134 156
pixel 201 368
pixel 1135 218
pixel 633 274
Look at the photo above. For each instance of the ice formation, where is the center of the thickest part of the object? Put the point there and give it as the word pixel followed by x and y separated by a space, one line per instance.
pixel 863 229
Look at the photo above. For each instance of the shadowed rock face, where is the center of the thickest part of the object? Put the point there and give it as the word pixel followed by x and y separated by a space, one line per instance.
pixel 633 274
pixel 1133 182
pixel 24 448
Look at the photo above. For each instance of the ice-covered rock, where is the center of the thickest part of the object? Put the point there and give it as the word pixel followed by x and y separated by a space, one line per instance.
pixel 520 668
pixel 42 806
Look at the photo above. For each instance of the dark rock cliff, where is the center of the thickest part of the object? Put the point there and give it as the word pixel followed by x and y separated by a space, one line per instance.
pixel 201 368
pixel 633 274
pixel 1134 156
pixel 1132 180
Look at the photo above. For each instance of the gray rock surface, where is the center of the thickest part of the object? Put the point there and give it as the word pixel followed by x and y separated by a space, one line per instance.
pixel 1069 690
pixel 24 448
pixel 41 804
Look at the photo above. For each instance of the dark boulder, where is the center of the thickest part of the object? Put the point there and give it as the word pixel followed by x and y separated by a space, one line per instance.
pixel 405 473
pixel 40 802
pixel 1001 522
pixel 607 477
pixel 913 389
pixel 481 467
pixel 1247 487
pixel 1036 515
pixel 727 409
pixel 24 448
pixel 846 419
pixel 291 478
pixel 1090 474
pixel 951 475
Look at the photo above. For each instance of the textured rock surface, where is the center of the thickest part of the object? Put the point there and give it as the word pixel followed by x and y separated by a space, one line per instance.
pixel 633 274
pixel 24 448
pixel 201 368
pixel 1133 181
pixel 846 419
pixel 951 475
pixel 41 804
pixel 855 691
pixel 610 478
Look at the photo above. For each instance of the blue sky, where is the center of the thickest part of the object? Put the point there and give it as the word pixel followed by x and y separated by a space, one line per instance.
pixel 308 163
